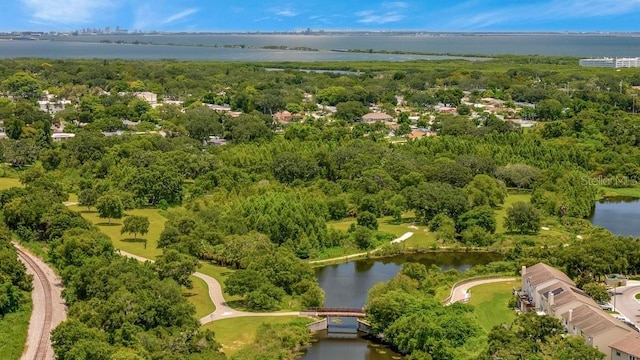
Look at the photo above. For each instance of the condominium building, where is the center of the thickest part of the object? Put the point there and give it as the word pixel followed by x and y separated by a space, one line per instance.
pixel 611 62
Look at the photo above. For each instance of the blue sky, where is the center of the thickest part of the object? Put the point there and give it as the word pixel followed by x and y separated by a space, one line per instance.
pixel 284 15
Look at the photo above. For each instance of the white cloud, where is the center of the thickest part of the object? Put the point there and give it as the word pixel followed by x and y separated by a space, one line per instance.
pixel 396 5
pixel 553 10
pixel 66 11
pixel 390 12
pixel 179 15
pixel 285 12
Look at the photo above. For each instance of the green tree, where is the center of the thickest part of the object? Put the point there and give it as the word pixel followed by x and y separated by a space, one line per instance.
pixel 19 153
pixel 23 85
pixel 363 237
pixel 415 271
pixel 135 225
pixel 367 220
pixel 430 199
pixel 350 111
pixel 475 236
pixel 13 127
pixel 444 227
pixel 518 175
pixel 337 208
pixel 597 292
pixel 88 198
pixel 110 206
pixel 484 190
pixel 483 217
pixel 549 109
pixel 202 123
pixel 179 267
pixel 523 218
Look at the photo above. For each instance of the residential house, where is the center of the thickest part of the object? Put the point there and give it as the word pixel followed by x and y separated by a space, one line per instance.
pixel 219 108
pixel 549 291
pixel 147 96
pixel 283 117
pixel 375 117
pixel 627 348
pixel 51 106
pixel 559 297
pixel 598 328
pixel 216 141
pixel 535 278
pixel 59 137
pixel 419 134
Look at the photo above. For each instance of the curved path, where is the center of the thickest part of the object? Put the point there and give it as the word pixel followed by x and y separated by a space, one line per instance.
pixel 458 292
pixel 625 302
pixel 223 310
pixel 49 309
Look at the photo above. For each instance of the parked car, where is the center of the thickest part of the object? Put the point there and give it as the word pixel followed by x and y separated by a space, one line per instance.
pixel 606 306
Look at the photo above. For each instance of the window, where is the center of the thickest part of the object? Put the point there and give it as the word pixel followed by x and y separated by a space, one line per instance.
pixel 631 357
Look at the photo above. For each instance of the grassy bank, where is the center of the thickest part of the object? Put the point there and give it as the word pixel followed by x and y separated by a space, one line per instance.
pixel 13 332
pixel 490 303
pixel 631 192
pixel 235 333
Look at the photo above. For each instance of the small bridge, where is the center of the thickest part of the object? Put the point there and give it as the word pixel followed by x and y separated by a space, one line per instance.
pixel 334 312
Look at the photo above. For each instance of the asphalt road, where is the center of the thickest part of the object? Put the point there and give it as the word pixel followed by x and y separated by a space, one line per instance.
pixel 625 302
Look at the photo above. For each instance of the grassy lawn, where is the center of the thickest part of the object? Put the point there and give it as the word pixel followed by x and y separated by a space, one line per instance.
pixel 6 183
pixel 233 334
pixel 490 303
pixel 126 242
pixel 13 332
pixel 199 297
pixel 632 192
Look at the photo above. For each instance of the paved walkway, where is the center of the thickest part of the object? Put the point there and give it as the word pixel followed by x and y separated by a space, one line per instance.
pixel 223 310
pixel 49 309
pixel 458 293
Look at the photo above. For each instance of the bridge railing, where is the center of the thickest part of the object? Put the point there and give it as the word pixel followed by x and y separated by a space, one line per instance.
pixel 334 310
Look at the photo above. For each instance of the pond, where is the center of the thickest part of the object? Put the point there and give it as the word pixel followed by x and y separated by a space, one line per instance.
pixel 618 214
pixel 346 285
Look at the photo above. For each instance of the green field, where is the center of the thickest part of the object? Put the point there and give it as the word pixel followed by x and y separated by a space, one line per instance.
pixel 490 303
pixel 234 333
pixel 631 192
pixel 144 246
pixel 13 332
pixel 6 183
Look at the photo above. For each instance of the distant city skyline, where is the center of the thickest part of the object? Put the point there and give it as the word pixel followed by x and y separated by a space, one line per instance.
pixel 345 15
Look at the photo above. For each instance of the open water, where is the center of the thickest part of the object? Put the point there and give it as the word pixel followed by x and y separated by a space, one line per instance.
pixel 211 47
pixel 347 285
